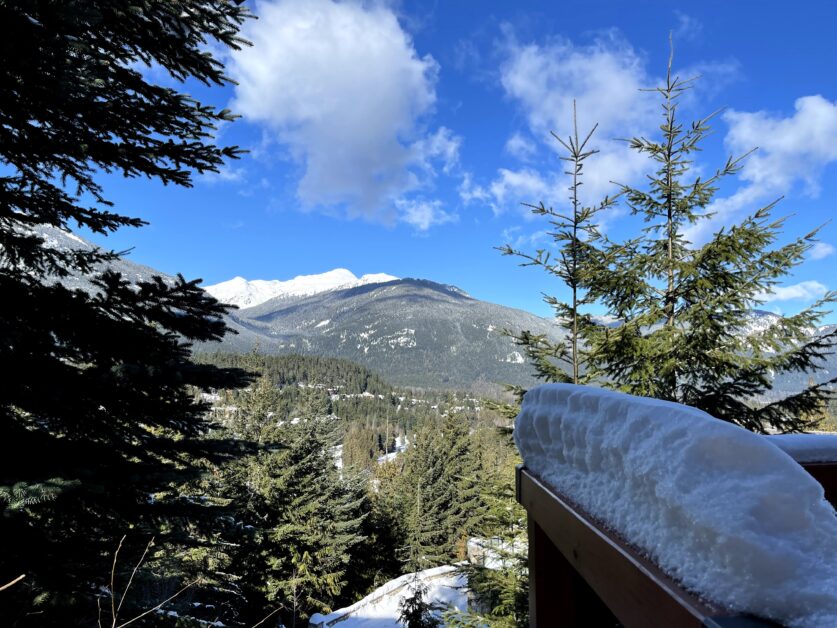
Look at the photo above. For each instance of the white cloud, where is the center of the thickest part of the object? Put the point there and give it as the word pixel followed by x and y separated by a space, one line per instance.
pixel 604 78
pixel 442 146
pixel 820 250
pixel 805 290
pixel 688 27
pixel 225 174
pixel 511 188
pixel 792 150
pixel 515 237
pixel 343 89
pixel 422 214
pixel 522 148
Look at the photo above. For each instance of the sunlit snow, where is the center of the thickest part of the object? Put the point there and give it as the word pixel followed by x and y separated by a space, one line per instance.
pixel 721 509
pixel 380 609
pixel 243 293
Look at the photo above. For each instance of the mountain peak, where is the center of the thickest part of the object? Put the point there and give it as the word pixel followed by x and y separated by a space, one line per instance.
pixel 247 293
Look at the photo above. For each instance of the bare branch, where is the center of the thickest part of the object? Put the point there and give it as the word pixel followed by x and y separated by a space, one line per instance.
pixel 13 582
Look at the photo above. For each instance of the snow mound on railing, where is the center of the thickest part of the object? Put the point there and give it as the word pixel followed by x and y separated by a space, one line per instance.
pixel 729 515
pixel 807 447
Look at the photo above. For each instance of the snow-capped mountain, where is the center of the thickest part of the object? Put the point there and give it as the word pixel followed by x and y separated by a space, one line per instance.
pixel 415 332
pixel 243 293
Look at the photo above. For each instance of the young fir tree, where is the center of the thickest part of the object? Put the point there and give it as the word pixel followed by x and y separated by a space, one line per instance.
pixel 95 396
pixel 415 611
pixel 683 308
pixel 575 234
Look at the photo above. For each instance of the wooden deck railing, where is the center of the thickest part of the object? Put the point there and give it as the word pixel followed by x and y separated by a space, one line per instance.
pixel 583 576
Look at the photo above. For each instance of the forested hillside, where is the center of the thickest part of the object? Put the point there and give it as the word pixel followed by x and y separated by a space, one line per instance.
pixel 314 505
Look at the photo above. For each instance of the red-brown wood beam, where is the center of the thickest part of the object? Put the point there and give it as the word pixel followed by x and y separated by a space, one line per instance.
pixel 581 575
pixel 826 474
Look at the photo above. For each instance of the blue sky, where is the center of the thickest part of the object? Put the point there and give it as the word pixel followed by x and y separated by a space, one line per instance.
pixel 403 137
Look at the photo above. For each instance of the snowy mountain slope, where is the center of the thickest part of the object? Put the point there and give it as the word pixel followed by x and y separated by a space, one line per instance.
pixel 420 333
pixel 243 293
pixel 59 239
pixel 416 332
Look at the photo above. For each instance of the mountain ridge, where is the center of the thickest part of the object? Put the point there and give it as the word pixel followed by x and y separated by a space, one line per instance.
pixel 246 293
pixel 415 332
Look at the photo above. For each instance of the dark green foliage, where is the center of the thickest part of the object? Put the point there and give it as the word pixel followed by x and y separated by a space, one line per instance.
pixel 360 448
pixel 682 308
pixel 283 370
pixel 95 400
pixel 441 501
pixel 500 581
pixel 294 523
pixel 415 611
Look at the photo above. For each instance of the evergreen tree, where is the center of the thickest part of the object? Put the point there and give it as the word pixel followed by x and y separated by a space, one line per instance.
pixel 461 479
pixel 257 412
pixel 499 582
pixel 575 234
pixel 95 399
pixel 683 308
pixel 359 448
pixel 441 494
pixel 415 611
pixel 300 522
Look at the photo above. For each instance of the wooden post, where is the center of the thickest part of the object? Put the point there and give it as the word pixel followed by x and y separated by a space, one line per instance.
pixel 826 474
pixel 558 595
pixel 583 576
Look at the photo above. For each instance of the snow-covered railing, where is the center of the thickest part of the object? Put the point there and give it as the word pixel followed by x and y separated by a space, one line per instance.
pixel 650 513
pixel 445 587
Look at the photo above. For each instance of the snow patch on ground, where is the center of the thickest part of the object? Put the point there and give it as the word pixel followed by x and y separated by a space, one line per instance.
pixel 728 514
pixel 514 358
pixel 379 609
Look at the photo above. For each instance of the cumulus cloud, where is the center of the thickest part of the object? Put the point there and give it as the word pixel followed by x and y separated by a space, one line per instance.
pixel 521 147
pixel 792 151
pixel 805 290
pixel 343 89
pixel 604 78
pixel 820 250
pixel 423 214
pixel 514 187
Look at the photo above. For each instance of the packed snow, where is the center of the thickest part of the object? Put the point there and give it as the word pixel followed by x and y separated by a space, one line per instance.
pixel 720 509
pixel 807 447
pixel 514 358
pixel 380 609
pixel 243 293
pixel 496 553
